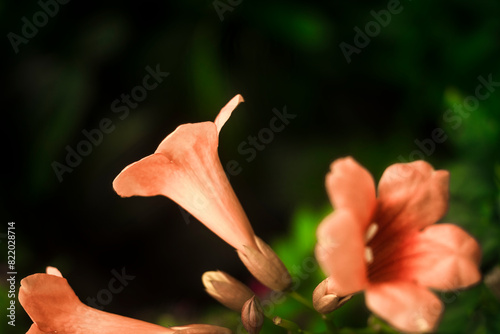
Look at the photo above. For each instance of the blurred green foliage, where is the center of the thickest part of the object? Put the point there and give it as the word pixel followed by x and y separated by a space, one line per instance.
pixel 395 92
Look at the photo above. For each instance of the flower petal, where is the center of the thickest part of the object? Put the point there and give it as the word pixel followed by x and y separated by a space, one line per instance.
pixel 225 112
pixel 406 306
pixel 350 186
pixel 35 330
pixel 145 177
pixel 186 168
pixel 411 196
pixel 53 306
pixel 53 271
pixel 341 253
pixel 445 257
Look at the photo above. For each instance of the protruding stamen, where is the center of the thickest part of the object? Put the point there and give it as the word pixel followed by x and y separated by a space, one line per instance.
pixel 370 232
pixel 368 255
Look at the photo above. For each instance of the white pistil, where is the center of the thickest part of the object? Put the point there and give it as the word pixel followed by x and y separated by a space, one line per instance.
pixel 368 255
pixel 370 232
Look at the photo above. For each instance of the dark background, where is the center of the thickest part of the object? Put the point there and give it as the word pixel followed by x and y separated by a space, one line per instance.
pixel 395 92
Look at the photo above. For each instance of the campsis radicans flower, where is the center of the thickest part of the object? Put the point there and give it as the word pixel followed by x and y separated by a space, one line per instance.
pixel 186 168
pixel 388 245
pixel 54 308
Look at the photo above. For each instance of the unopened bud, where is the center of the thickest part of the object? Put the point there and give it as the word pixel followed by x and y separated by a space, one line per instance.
pixel 266 266
pixel 226 289
pixel 201 329
pixel 252 316
pixel 325 302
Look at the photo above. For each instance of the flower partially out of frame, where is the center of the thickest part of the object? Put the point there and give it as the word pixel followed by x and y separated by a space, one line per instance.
pixel 186 168
pixel 388 245
pixel 54 308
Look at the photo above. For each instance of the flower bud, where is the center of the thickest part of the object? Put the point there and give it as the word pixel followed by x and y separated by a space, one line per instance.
pixel 201 329
pixel 266 266
pixel 252 316
pixel 325 302
pixel 226 289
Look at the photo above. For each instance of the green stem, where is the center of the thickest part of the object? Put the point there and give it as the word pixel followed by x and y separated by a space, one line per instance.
pixel 330 325
pixel 290 326
pixel 301 299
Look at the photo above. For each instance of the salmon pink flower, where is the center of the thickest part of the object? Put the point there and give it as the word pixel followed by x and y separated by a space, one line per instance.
pixel 388 246
pixel 186 168
pixel 54 308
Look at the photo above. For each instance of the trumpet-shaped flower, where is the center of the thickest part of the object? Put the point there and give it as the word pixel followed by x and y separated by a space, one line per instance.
pixel 186 168
pixel 54 308
pixel 388 246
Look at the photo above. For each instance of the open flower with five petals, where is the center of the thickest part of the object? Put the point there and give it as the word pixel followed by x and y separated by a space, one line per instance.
pixel 387 244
